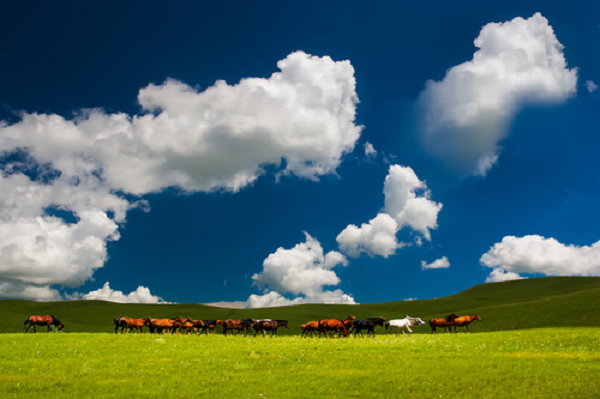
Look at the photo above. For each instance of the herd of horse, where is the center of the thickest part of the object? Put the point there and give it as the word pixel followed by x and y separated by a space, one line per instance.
pixel 327 327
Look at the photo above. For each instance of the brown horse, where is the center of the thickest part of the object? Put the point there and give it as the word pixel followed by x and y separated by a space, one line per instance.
pixel 269 325
pixel 130 324
pixel 464 321
pixel 239 325
pixel 48 321
pixel 162 325
pixel 311 326
pixel 434 323
pixel 339 326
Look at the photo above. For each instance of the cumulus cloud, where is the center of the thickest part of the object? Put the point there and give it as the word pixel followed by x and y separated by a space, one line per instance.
pixel 407 204
pixel 591 86
pixel 465 115
pixel 140 295
pixel 441 263
pixel 534 254
pixel 303 270
pixel 30 292
pixel 378 237
pixel 221 138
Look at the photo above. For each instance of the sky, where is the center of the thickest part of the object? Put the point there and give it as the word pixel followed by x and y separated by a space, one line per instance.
pixel 257 154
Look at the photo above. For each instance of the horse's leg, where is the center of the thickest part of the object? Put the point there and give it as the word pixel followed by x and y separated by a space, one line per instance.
pixel 27 326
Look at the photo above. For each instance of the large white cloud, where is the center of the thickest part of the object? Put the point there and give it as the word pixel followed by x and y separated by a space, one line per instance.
pixel 140 295
pixel 303 270
pixel 26 291
pixel 465 115
pixel 534 254
pixel 217 139
pixel 407 204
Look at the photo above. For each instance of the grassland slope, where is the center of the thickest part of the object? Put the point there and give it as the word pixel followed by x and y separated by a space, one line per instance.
pixel 512 305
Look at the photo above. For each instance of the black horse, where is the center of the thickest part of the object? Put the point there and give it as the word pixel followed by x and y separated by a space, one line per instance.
pixel 368 324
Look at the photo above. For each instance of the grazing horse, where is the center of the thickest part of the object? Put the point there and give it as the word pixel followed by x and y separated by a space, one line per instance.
pixel 269 325
pixel 407 322
pixel 368 324
pixel 311 326
pixel 48 321
pixel 210 326
pixel 464 321
pixel 339 326
pixel 239 325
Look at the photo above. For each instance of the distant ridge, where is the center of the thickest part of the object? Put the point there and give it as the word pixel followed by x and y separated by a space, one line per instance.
pixel 511 305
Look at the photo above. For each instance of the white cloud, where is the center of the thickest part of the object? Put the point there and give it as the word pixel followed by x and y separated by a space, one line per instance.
pixel 30 292
pixel 534 254
pixel 499 275
pixel 303 270
pixel 140 295
pixel 467 113
pixel 407 204
pixel 591 86
pixel 407 201
pixel 378 237
pixel 370 151
pixel 219 139
pixel 441 263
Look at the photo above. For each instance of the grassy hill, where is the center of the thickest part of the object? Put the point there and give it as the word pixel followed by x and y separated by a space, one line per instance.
pixel 512 305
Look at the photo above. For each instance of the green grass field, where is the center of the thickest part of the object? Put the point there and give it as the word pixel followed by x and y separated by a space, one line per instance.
pixel 512 305
pixel 540 363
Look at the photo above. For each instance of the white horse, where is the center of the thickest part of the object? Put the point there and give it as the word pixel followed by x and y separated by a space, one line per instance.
pixel 407 322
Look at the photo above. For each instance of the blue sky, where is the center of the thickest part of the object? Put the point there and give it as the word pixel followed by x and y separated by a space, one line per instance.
pixel 352 152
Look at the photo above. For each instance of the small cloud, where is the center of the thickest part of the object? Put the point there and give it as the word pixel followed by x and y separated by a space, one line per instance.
pixel 370 151
pixel 441 263
pixel 409 299
pixel 591 86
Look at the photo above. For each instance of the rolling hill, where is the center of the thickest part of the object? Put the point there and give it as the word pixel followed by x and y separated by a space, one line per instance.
pixel 512 305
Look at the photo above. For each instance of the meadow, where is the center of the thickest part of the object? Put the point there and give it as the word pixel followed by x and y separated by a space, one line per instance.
pixel 538 338
pixel 536 363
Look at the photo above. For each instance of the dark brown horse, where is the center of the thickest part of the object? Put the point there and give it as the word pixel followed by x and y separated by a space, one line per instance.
pixel 269 325
pixel 41 321
pixel 210 326
pixel 367 324
pixel 190 325
pixel 335 325
pixel 446 322
pixel 239 325
pixel 311 326
pixel 464 321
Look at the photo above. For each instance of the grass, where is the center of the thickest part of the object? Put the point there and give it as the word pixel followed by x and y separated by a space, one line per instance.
pixel 535 363
pixel 512 305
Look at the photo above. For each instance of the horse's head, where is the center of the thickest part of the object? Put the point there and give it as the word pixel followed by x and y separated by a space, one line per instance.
pixel 60 327
pixel 477 317
pixel 284 323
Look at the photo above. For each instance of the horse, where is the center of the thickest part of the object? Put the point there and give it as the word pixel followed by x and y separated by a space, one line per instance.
pixel 368 324
pixel 239 325
pixel 48 320
pixel 339 326
pixel 159 325
pixel 464 321
pixel 210 326
pixel 442 322
pixel 311 326
pixel 192 325
pixel 407 322
pixel 269 325
pixel 130 324
pixel 117 322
